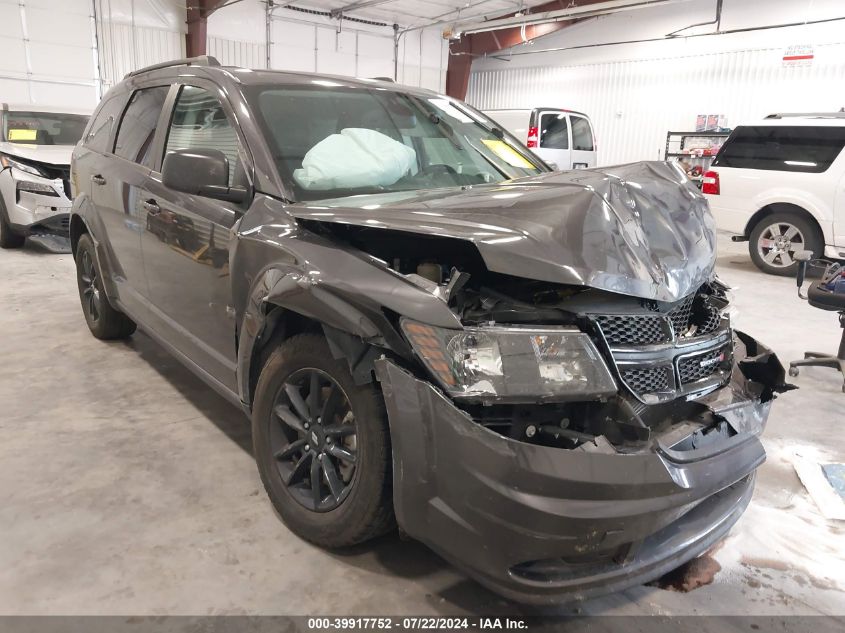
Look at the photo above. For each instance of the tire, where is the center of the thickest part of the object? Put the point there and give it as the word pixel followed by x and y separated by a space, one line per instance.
pixel 799 232
pixel 8 238
pixel 105 322
pixel 364 509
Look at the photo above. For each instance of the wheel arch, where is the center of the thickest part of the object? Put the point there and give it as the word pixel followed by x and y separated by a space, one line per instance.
pixel 78 228
pixel 283 304
pixel 781 207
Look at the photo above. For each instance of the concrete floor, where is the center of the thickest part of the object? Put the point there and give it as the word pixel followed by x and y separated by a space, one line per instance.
pixel 128 487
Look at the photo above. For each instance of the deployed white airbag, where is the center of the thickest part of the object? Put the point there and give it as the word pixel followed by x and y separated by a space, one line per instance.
pixel 357 157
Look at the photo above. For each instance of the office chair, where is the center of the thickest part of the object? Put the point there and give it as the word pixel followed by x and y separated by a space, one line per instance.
pixel 819 296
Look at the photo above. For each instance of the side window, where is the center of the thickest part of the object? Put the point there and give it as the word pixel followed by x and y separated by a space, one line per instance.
pixel 582 135
pixel 99 132
pixel 554 131
pixel 199 122
pixel 783 148
pixel 138 125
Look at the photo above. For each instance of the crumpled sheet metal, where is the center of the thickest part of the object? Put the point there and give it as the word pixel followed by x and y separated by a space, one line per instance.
pixel 640 229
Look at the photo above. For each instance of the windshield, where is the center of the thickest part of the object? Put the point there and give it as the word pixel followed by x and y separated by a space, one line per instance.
pixel 44 128
pixel 330 142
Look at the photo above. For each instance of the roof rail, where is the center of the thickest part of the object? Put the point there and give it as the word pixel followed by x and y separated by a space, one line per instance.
pixel 816 115
pixel 387 79
pixel 202 60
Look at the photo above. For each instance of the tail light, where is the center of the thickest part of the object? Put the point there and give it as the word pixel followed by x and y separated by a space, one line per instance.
pixel 532 137
pixel 710 184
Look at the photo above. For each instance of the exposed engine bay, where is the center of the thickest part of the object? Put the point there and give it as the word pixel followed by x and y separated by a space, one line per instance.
pixel 664 355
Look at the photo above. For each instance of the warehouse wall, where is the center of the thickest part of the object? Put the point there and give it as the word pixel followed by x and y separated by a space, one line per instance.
pixel 636 92
pixel 55 53
pixel 312 43
pixel 136 33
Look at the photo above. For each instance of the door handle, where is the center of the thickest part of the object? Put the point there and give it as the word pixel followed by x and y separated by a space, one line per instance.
pixel 151 207
pixel 97 179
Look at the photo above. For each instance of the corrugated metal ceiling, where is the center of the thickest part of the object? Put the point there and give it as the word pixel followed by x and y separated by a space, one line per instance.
pixel 417 12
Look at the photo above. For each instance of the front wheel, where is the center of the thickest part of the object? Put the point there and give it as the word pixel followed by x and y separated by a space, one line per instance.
pixel 322 445
pixel 104 321
pixel 776 238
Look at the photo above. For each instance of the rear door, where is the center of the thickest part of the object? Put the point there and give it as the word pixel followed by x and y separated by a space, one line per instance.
pixel 583 142
pixel 554 145
pixel 187 238
pixel 116 185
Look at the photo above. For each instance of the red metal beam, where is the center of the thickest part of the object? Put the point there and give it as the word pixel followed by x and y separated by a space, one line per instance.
pixel 197 19
pixel 463 51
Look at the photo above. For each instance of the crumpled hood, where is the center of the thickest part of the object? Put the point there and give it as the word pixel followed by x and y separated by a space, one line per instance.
pixel 640 229
pixel 58 155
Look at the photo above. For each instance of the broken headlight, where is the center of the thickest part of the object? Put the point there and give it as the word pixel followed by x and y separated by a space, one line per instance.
pixel 511 363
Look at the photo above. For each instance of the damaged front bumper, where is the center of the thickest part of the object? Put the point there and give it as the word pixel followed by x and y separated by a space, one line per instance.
pixel 540 524
pixel 36 205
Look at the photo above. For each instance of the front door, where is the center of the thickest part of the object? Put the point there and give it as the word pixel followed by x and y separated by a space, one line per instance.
pixel 186 243
pixel 115 192
pixel 554 146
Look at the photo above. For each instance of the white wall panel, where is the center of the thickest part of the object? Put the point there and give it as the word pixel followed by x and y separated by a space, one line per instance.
pixel 634 103
pixel 47 53
pixel 237 53
pixel 313 43
pixel 637 92
pixel 124 48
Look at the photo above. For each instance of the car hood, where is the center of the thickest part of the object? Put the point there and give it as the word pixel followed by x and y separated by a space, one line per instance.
pixel 640 229
pixel 49 154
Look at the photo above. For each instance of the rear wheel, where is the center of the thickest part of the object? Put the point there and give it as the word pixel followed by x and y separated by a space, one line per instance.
pixel 776 238
pixel 8 238
pixel 322 445
pixel 104 321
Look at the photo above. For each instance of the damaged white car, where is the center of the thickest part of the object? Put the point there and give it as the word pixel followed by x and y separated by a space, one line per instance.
pixel 35 151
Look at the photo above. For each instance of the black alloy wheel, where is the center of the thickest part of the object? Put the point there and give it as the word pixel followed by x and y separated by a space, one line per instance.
pixel 88 290
pixel 315 440
pixel 322 445
pixel 104 321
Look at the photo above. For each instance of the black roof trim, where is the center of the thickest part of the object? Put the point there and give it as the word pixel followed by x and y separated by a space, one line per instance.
pixel 202 60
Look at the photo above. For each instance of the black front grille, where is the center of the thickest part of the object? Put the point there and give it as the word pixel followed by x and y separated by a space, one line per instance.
pixel 709 320
pixel 66 186
pixel 700 366
pixel 680 316
pixel 649 380
pixel 626 329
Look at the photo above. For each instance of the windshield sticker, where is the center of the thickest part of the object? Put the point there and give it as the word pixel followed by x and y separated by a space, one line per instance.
pixel 507 153
pixel 23 135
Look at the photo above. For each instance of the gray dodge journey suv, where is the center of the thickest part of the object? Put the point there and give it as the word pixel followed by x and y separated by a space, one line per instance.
pixel 534 373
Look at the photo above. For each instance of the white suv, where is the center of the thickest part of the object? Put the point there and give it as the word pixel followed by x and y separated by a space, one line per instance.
pixel 35 151
pixel 780 184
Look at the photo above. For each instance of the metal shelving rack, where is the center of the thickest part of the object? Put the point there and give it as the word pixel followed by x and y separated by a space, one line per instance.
pixel 677 146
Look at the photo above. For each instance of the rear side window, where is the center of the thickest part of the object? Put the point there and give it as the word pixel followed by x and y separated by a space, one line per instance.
pixel 99 132
pixel 582 134
pixel 554 131
pixel 138 125
pixel 199 122
pixel 783 148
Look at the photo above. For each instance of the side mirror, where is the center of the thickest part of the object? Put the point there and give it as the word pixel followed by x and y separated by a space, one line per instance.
pixel 200 172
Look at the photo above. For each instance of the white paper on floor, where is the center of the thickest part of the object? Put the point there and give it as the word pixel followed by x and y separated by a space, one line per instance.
pixel 789 537
pixel 817 484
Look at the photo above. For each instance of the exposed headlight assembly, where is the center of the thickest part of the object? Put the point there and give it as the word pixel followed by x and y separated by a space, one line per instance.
pixel 7 161
pixel 512 364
